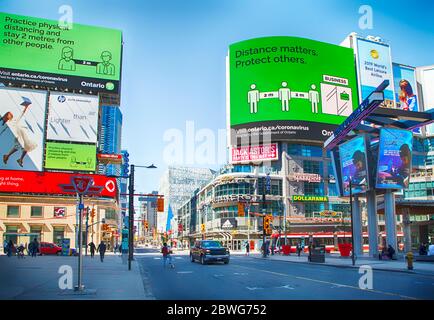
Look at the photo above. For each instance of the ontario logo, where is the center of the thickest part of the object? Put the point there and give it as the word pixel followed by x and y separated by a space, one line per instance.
pixel 61 99
pixel 109 86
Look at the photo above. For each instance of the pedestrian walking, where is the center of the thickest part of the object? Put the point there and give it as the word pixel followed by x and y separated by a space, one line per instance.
pixel 101 249
pixel 166 251
pixel 247 248
pixel 34 247
pixel 298 249
pixel 10 248
pixel 92 248
pixel 120 249
pixel 5 247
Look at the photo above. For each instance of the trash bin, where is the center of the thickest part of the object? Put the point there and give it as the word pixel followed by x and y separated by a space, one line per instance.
pixel 286 249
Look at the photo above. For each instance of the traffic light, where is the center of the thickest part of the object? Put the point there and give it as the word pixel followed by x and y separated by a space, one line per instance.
pixel 240 209
pixel 125 164
pixel 202 228
pixel 146 224
pixel 92 213
pixel 160 204
pixel 267 224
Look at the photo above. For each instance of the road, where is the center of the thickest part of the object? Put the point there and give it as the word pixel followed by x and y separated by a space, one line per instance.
pixel 247 278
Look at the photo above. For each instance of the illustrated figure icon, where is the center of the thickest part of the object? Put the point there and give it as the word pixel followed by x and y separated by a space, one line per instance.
pixel 106 67
pixel 285 96
pixel 314 98
pixel 253 99
pixel 67 62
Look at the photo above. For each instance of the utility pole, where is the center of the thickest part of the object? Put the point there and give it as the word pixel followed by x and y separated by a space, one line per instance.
pixel 79 286
pixel 87 227
pixel 352 228
pixel 131 217
pixel 263 218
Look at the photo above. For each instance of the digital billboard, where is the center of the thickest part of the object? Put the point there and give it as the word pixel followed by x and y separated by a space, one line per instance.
pixel 40 52
pixel 426 78
pixel 394 158
pixel 293 88
pixel 70 156
pixel 72 117
pixel 404 79
pixel 22 129
pixel 374 65
pixel 354 165
pixel 12 181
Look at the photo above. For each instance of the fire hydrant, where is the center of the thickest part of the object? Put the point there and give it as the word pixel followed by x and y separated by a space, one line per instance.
pixel 410 260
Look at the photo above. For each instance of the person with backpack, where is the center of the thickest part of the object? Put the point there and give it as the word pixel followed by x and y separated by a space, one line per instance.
pixel 167 255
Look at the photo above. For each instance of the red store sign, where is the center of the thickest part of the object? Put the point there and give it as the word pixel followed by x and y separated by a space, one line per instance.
pixel 255 153
pixel 12 181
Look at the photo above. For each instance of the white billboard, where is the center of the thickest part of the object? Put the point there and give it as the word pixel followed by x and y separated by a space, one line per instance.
pixel 72 117
pixel 22 123
pixel 426 79
pixel 374 65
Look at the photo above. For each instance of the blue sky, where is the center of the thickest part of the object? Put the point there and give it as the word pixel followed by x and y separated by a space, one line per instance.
pixel 174 52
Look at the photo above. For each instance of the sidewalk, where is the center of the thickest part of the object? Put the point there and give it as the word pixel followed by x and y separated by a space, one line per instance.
pixel 38 278
pixel 425 268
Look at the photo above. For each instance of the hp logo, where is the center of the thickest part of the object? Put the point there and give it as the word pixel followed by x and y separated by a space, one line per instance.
pixel 61 99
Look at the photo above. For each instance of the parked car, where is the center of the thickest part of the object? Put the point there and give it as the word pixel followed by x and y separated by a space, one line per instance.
pixel 209 250
pixel 49 248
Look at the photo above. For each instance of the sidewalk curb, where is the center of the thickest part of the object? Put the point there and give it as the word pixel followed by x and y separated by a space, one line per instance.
pixel 348 267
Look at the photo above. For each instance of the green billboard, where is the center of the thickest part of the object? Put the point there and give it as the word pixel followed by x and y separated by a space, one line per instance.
pixel 292 87
pixel 70 156
pixel 39 51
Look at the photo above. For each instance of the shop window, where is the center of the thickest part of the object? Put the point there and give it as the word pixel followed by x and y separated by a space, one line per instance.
pixel 36 229
pixel 9 237
pixel 36 211
pixel 13 211
pixel 58 235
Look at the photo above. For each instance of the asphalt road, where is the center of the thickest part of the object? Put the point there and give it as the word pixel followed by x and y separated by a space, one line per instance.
pixel 247 278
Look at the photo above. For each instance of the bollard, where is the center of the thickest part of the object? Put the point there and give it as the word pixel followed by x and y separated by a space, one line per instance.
pixel 410 260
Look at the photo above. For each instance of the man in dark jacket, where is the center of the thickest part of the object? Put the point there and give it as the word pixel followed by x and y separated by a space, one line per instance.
pixel 92 248
pixel 390 252
pixel 102 248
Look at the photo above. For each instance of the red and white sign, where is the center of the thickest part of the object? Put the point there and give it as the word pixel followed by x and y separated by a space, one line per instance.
pixel 109 158
pixel 264 152
pixel 59 212
pixel 49 182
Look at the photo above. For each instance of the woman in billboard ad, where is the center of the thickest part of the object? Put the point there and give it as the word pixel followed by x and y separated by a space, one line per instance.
pixel 394 159
pixel 22 115
pixel 354 165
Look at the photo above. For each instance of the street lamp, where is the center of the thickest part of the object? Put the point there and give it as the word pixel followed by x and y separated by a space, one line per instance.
pixel 131 211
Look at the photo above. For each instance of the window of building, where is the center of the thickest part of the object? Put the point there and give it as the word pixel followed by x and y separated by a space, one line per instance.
pixel 304 150
pixel 111 214
pixel 58 235
pixel 9 237
pixel 311 208
pixel 314 188
pixel 36 229
pixel 36 211
pixel 333 190
pixel 13 211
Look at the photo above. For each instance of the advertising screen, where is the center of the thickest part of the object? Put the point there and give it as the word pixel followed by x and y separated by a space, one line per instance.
pixel 70 156
pixel 374 66
pixel 22 123
pixel 40 52
pixel 394 159
pixel 354 166
pixel 426 77
pixel 12 181
pixel 72 117
pixel 293 88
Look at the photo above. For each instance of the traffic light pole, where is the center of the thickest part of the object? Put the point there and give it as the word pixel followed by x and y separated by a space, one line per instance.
pixel 79 286
pixel 352 226
pixel 87 228
pixel 264 253
pixel 131 217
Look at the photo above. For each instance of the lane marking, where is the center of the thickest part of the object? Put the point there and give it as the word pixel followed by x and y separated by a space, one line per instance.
pixel 333 283
pixel 287 287
pixel 184 272
pixel 254 288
